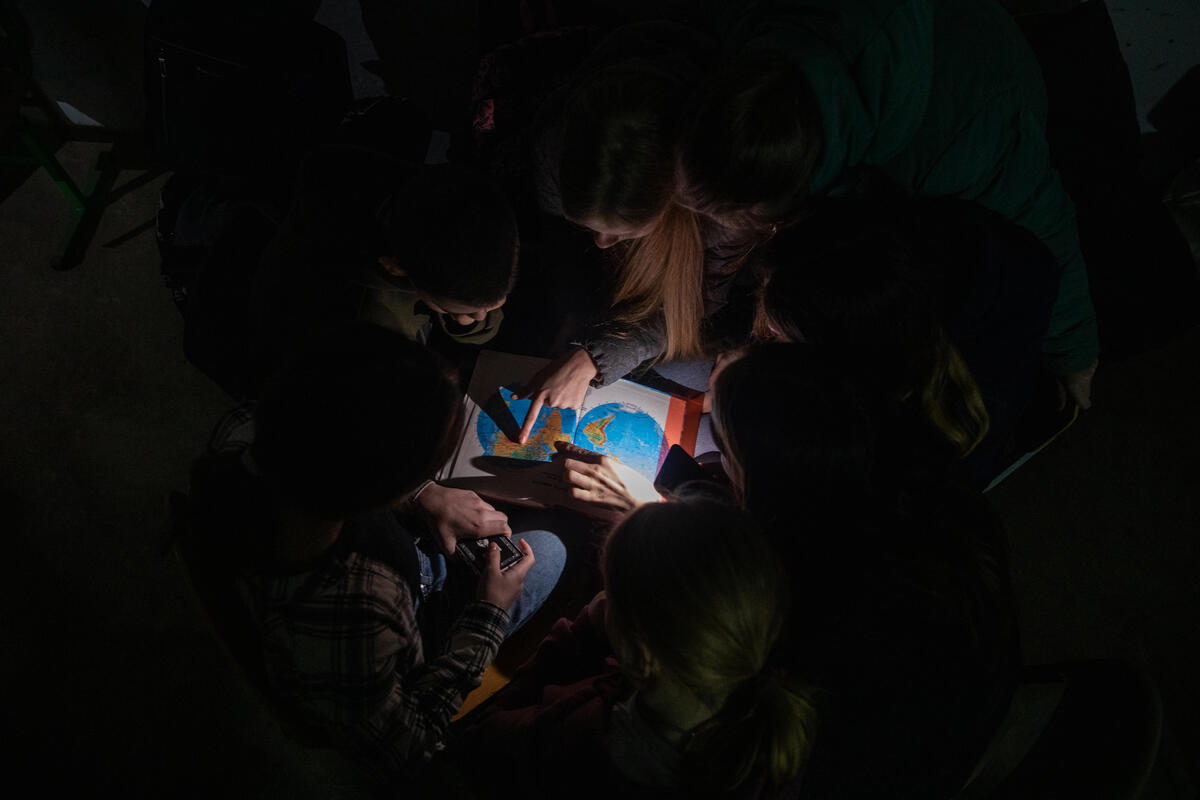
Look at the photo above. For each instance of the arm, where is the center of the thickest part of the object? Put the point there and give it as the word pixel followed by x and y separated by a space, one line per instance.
pixel 601 360
pixel 350 656
pixel 440 686
pixel 572 651
pixel 548 724
pixel 455 514
pixel 618 353
pixel 412 720
pixel 984 139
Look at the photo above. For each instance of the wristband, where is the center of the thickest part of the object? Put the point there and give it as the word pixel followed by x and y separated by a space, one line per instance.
pixel 420 489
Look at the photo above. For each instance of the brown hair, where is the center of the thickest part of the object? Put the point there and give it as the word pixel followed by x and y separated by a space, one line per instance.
pixel 753 145
pixel 620 134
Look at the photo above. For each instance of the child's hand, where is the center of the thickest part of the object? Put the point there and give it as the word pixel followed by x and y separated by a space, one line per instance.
pixel 460 514
pixel 1077 387
pixel 600 492
pixel 502 588
pixel 562 384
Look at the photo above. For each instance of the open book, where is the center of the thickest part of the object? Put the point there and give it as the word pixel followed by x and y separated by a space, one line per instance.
pixel 632 424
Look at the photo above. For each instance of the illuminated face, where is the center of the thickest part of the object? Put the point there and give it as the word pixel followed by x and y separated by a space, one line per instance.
pixel 461 313
pixel 607 232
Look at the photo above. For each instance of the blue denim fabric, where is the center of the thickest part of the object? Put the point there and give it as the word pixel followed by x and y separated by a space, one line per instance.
pixel 549 558
pixel 432 566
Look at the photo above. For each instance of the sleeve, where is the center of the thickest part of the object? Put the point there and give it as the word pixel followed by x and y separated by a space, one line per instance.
pixel 572 651
pixel 548 726
pixel 1019 182
pixel 393 704
pixel 550 686
pixel 617 353
pixel 984 139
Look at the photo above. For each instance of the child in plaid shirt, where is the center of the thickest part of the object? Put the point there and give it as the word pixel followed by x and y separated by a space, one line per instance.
pixel 302 528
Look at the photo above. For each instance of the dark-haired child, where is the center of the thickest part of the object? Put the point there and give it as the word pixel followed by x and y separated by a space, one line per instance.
pixel 347 612
pixel 427 251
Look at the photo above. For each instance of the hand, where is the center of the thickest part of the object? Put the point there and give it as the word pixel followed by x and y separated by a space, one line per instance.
pixel 1077 386
pixel 502 589
pixel 562 383
pixel 596 486
pixel 460 514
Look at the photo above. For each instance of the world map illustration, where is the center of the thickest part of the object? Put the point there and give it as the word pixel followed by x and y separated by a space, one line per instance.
pixel 621 431
pixel 553 425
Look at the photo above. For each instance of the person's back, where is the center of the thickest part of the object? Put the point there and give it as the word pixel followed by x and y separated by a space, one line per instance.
pixel 938 305
pixel 902 615
pixel 908 625
pixel 896 86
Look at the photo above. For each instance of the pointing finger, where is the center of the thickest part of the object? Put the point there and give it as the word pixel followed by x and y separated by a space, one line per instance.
pixel 535 408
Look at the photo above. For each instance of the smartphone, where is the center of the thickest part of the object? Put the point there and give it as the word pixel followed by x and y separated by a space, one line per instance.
pixel 475 552
pixel 678 468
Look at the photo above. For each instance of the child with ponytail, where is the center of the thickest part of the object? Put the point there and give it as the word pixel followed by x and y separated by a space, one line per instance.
pixel 690 702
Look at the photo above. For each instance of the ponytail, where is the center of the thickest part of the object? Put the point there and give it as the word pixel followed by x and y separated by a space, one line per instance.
pixel 698 586
pixel 951 400
pixel 766 724
pixel 663 272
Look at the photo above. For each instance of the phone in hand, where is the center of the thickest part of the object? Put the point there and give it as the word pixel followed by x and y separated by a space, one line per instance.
pixel 474 552
pixel 677 469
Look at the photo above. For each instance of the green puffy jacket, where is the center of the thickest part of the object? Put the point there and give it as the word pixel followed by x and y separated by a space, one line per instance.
pixel 943 96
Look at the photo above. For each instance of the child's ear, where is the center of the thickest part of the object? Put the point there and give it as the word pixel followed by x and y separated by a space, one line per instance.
pixel 392 266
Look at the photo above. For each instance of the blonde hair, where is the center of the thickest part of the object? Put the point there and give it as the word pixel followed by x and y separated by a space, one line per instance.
pixel 664 272
pixel 951 399
pixel 697 586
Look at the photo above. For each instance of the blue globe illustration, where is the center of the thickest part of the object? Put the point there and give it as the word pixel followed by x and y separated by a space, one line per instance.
pixel 625 433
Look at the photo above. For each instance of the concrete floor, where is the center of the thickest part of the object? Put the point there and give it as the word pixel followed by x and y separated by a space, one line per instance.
pixel 108 664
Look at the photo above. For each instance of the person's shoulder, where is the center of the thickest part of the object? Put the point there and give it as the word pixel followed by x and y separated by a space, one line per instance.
pixel 347 593
pixel 379 559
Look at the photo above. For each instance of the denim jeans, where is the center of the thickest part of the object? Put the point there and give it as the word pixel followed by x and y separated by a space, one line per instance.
pixel 550 556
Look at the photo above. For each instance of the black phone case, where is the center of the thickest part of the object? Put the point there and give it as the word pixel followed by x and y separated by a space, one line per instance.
pixel 474 553
pixel 678 468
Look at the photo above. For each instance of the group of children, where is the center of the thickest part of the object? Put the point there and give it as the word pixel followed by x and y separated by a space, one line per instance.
pixel 848 205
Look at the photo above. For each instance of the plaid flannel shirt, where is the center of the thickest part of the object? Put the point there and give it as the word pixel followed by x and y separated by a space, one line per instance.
pixel 341 644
